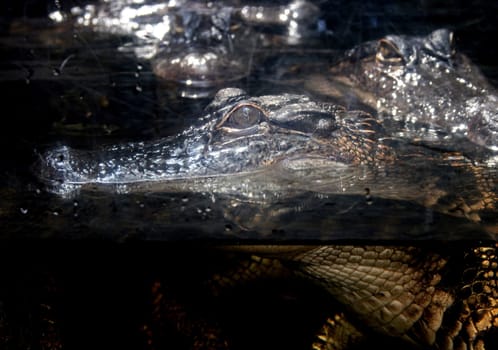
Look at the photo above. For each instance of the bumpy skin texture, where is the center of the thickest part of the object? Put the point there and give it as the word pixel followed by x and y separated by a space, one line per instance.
pixel 420 86
pixel 413 292
pixel 425 297
pixel 434 296
pixel 238 134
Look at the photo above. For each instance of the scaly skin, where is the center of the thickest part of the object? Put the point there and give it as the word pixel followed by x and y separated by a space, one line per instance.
pixel 431 297
pixel 407 292
pixel 420 87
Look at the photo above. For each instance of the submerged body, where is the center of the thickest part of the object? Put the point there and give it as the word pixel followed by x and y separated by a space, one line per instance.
pixel 437 296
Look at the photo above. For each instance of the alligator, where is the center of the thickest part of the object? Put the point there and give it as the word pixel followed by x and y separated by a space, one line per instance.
pixel 274 144
pixel 195 45
pixel 419 86
pixel 237 135
pixel 267 149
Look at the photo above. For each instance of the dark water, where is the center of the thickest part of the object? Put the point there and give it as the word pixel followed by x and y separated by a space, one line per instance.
pixel 85 267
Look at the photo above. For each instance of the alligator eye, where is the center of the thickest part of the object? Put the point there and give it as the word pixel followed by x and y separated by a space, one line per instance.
pixel 243 116
pixel 388 53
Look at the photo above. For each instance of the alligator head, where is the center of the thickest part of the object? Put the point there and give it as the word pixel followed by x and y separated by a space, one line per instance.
pixel 422 87
pixel 197 47
pixel 237 135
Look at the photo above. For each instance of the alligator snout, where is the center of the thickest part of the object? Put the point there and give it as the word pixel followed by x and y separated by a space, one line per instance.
pixel 56 168
pixel 55 165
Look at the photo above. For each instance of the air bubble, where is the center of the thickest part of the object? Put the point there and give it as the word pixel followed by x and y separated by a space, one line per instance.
pixel 29 75
pixel 75 208
pixel 23 210
pixel 368 196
